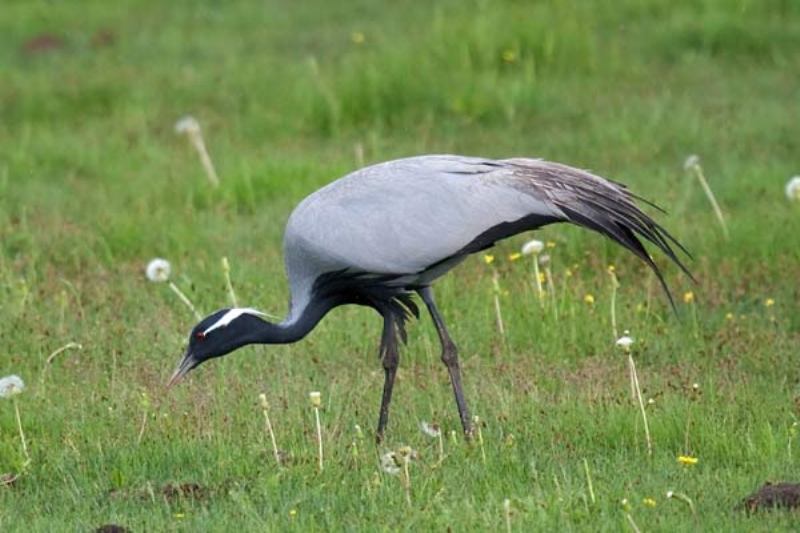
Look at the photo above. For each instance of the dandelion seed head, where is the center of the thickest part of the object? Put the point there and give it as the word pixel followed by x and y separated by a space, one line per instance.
pixel 187 124
pixel 793 189
pixel 670 493
pixel 11 386
pixel 263 399
pixel 544 260
pixel 625 341
pixel 430 429
pixel 316 398
pixel 158 270
pixel 532 247
pixel 390 463
pixel 691 162
pixel 507 505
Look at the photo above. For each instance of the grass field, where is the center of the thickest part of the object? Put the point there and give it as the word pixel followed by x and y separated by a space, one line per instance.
pixel 94 183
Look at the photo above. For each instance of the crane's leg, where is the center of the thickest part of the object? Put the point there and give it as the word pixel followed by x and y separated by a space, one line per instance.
pixel 450 359
pixel 390 358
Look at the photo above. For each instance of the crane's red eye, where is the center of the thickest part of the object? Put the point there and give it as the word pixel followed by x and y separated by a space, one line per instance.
pixel 200 336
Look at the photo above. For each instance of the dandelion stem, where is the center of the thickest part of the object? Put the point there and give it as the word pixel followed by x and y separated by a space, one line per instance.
pixel 268 425
pixel 537 276
pixel 319 436
pixel 67 346
pixel 407 479
pixel 632 523
pixel 698 172
pixel 184 299
pixel 551 287
pixel 197 141
pixel 441 447
pixel 226 269
pixel 507 513
pixel 477 423
pixel 614 285
pixel 588 479
pixel 21 432
pixel 641 404
pixel 142 428
pixel 498 313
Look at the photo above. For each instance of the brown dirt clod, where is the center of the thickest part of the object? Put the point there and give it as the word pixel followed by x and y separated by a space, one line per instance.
pixel 773 496
pixel 112 528
pixel 183 490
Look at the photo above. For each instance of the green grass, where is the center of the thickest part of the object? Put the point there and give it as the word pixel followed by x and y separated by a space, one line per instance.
pixel 94 182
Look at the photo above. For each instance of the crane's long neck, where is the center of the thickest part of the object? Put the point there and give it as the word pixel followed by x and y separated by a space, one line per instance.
pixel 296 326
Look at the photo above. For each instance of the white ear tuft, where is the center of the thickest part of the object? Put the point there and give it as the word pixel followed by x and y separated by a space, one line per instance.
pixel 232 315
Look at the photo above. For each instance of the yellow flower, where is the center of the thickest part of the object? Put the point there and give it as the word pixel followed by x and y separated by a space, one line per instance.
pixel 292 512
pixel 514 256
pixel 729 316
pixel 688 297
pixel 509 56
pixel 542 277
pixel 568 273
pixel 650 502
pixel 611 269
pixel 769 302
pixel 488 259
pixel 589 299
pixel 551 244
pixel 357 37
pixel 687 460
pixel 179 515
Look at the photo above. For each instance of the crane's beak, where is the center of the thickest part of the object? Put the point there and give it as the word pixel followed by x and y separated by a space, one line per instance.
pixel 186 365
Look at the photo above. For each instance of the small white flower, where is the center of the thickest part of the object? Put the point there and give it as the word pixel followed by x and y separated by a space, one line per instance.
pixel 670 494
pixel 793 189
pixel 187 124
pixel 431 430
pixel 625 341
pixel 11 386
pixel 158 270
pixel 390 463
pixel 691 162
pixel 534 247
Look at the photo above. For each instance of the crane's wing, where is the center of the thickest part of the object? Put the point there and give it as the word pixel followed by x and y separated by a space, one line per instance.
pixel 407 216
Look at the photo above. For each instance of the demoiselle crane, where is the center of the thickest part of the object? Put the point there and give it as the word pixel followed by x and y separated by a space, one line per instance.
pixel 382 233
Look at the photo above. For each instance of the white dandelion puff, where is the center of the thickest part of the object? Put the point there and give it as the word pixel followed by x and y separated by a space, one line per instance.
pixel 532 247
pixel 793 189
pixel 158 270
pixel 691 162
pixel 625 342
pixel 188 125
pixel 430 429
pixel 11 386
pixel 390 463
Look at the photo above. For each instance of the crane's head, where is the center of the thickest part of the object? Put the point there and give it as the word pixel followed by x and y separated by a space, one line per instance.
pixel 216 335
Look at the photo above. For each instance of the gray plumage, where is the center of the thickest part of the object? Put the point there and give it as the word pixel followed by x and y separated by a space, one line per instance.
pixel 377 236
pixel 398 219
